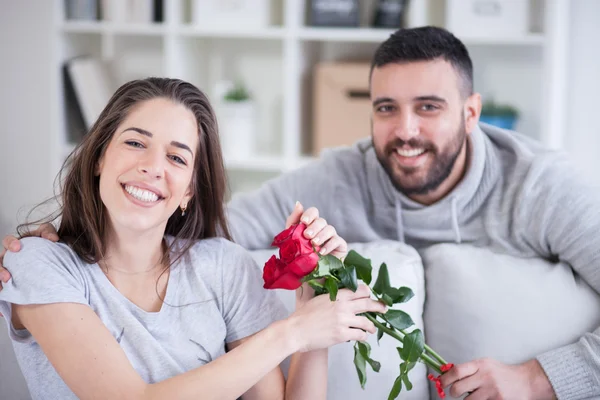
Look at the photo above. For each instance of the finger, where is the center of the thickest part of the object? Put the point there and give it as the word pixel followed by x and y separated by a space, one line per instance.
pixel 479 394
pixel 11 243
pixel 4 275
pixel 315 227
pixel 335 245
pixel 351 334
pixel 363 323
pixel 458 372
pixel 466 385
pixel 368 305
pixel 322 236
pixel 294 217
pixel 361 292
pixel 47 231
pixel 309 216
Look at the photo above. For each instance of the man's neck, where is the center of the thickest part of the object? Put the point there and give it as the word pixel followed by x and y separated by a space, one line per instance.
pixel 456 175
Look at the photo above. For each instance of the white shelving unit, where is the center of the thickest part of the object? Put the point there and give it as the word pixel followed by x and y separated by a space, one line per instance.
pixel 276 64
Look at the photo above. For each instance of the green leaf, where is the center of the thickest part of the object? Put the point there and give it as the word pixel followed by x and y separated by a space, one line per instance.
pixel 361 365
pixel 348 277
pixel 413 346
pixel 362 265
pixel 407 382
pixel 387 300
pixel 379 334
pixel 396 389
pixel 398 319
pixel 327 264
pixel 365 351
pixel 400 295
pixel 332 287
pixel 382 284
pixel 319 289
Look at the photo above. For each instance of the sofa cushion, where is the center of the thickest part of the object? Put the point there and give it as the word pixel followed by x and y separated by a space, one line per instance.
pixel 484 304
pixel 405 268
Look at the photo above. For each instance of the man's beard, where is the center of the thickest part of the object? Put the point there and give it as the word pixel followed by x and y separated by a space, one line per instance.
pixel 439 170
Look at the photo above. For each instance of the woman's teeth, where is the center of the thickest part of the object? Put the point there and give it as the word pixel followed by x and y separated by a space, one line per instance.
pixel 410 153
pixel 141 194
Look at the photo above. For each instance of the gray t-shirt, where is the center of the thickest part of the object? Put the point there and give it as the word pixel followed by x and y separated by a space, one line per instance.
pixel 214 296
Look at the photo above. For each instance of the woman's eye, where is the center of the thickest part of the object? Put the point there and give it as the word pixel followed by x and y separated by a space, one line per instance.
pixel 178 160
pixel 133 143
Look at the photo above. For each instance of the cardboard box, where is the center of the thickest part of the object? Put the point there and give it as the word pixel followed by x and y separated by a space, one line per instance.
pixel 341 104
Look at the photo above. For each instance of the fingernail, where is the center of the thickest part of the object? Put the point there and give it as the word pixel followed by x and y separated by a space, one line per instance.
pixel 296 204
pixel 323 250
pixel 304 219
pixel 316 240
pixel 309 233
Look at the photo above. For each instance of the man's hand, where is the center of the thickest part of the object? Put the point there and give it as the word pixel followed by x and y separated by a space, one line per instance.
pixel 11 243
pixel 488 379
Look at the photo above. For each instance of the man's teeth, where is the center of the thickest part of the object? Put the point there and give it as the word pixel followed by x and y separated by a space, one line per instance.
pixel 410 153
pixel 141 194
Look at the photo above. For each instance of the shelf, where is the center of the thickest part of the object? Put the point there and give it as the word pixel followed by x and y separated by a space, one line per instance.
pixel 115 28
pixel 266 163
pixel 265 33
pixel 532 39
pixel 368 35
pixel 82 27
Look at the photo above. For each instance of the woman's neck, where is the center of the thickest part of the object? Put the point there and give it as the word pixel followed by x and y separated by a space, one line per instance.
pixel 133 253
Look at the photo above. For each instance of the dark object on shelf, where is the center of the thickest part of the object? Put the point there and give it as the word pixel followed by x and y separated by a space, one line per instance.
pixel 390 14
pixel 158 11
pixel 337 13
pixel 82 10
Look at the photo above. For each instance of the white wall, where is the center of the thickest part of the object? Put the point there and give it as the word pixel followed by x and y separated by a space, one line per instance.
pixel 583 118
pixel 25 95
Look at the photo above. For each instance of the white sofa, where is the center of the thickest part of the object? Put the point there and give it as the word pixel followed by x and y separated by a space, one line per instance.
pixel 478 304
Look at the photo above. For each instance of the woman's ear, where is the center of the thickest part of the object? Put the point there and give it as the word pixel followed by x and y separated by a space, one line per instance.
pixel 99 166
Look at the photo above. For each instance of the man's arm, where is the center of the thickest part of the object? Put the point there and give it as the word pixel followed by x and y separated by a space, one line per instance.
pixel 256 217
pixel 559 217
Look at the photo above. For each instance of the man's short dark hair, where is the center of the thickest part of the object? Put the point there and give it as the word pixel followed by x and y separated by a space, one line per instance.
pixel 425 44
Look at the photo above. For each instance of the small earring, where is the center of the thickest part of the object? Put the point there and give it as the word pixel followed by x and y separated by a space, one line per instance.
pixel 183 208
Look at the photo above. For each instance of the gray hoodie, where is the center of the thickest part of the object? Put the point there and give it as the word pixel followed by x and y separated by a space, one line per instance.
pixel 516 198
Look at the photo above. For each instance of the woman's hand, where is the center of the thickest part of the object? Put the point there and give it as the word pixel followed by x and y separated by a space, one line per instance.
pixel 322 323
pixel 317 229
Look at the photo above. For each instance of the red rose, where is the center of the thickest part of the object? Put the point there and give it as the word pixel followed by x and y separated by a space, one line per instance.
pixel 297 259
pixel 276 277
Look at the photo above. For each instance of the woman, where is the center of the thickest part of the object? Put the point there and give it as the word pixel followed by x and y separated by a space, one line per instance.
pixel 145 297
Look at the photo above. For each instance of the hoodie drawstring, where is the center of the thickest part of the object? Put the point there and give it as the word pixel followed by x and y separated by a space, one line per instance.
pixel 454 216
pixel 399 222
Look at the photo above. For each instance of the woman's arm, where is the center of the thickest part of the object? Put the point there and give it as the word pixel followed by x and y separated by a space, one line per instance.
pixel 93 365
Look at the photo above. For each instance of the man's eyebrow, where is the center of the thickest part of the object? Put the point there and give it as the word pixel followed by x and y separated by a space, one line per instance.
pixel 380 100
pixel 432 97
pixel 149 134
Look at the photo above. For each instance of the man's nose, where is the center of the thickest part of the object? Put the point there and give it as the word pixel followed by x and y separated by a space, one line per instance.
pixel 406 127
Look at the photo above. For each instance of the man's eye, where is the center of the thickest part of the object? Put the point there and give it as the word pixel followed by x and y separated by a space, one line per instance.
pixel 429 107
pixel 385 108
pixel 178 160
pixel 133 143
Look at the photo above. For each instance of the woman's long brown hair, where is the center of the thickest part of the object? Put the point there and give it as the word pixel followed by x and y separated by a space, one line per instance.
pixel 83 215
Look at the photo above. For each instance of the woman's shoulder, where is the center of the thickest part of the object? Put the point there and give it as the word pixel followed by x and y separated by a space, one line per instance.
pixel 36 248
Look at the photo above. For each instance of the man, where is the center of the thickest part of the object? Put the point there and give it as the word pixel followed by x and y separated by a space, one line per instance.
pixel 430 174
